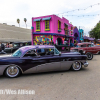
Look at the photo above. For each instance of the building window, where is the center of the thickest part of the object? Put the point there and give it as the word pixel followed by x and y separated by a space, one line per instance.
pixel 37 25
pixel 66 26
pixel 71 28
pixel 47 25
pixel 71 33
pixel 59 25
pixel 66 29
pixel 80 34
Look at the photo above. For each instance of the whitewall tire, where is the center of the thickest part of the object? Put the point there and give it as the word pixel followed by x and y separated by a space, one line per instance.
pixel 76 66
pixel 12 71
pixel 89 56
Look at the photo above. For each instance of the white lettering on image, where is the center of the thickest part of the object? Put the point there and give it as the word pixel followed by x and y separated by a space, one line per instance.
pixel 20 91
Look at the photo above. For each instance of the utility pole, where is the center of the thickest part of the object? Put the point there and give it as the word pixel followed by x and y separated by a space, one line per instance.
pixel 79 27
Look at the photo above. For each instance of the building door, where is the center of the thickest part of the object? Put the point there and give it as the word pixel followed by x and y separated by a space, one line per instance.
pixel 76 37
pixel 59 40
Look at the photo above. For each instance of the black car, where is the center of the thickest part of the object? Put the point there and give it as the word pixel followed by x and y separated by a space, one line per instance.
pixel 15 46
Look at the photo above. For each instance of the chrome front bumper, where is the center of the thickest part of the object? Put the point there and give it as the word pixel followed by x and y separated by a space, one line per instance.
pixel 85 64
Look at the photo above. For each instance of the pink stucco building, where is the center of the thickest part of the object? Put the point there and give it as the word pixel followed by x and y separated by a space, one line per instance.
pixel 51 28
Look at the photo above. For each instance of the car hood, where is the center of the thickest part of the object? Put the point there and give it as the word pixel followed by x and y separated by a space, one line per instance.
pixel 5 56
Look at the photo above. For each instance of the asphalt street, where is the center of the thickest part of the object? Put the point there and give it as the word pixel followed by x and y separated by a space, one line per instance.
pixel 66 85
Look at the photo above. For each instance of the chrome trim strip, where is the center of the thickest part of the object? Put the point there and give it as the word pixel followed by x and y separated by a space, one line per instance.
pixel 97 52
pixel 86 64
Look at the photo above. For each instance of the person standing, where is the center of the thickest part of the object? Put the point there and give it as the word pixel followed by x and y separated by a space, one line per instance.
pixel 7 45
pixel 71 44
pixel 2 47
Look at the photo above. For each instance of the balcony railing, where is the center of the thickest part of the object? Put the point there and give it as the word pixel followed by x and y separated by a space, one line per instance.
pixel 66 32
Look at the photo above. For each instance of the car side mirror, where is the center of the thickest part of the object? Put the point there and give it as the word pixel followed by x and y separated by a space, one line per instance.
pixel 59 53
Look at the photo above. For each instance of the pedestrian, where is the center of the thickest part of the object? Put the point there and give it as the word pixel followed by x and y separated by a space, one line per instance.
pixel 2 47
pixel 7 45
pixel 38 43
pixel 49 43
pixel 75 44
pixel 71 44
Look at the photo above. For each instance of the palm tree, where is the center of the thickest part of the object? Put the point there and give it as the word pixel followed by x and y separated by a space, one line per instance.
pixel 25 21
pixel 18 21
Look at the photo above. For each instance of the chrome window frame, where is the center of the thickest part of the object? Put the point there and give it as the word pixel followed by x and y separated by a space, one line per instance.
pixel 28 51
pixel 40 48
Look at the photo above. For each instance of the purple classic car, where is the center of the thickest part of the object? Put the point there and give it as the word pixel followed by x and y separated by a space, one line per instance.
pixel 40 58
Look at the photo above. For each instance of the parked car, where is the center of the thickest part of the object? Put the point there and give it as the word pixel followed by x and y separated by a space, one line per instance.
pixel 15 46
pixel 40 58
pixel 86 48
pixel 63 48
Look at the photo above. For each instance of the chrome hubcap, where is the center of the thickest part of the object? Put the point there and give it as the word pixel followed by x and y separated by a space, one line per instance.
pixel 76 65
pixel 13 71
pixel 89 55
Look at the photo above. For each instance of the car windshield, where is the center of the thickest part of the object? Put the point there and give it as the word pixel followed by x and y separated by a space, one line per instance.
pixel 17 53
pixel 16 45
pixel 56 51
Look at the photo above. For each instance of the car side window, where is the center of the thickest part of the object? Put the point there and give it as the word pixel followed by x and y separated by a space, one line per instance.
pixel 40 52
pixel 56 51
pixel 49 51
pixel 46 51
pixel 90 45
pixel 84 45
pixel 31 53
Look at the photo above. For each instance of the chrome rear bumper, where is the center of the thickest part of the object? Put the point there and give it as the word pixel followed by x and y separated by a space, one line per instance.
pixel 85 64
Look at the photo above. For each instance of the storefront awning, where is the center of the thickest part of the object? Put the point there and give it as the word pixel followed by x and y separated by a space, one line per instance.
pixel 49 34
pixel 37 19
pixel 52 34
pixel 66 24
pixel 70 36
pixel 47 18
pixel 91 39
pixel 88 38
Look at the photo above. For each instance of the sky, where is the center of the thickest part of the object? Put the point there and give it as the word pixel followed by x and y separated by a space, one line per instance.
pixel 11 10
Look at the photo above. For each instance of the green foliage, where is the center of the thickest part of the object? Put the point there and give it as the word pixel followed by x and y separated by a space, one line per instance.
pixel 18 21
pixel 25 20
pixel 95 32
